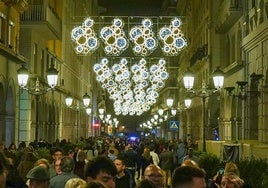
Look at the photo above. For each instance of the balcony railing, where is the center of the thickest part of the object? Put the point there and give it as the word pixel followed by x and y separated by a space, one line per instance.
pixel 44 14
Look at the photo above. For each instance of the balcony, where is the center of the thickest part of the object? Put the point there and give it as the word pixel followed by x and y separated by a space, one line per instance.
pixel 228 13
pixel 43 19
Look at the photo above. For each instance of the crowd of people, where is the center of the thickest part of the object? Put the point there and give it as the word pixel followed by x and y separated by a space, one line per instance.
pixel 110 163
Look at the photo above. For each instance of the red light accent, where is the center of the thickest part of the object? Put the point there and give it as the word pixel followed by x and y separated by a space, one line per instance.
pixel 96 125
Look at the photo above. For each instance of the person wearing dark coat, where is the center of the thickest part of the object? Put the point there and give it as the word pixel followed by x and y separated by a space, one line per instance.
pixel 13 178
pixel 146 159
pixel 166 164
pixel 123 178
pixel 132 160
pixel 79 166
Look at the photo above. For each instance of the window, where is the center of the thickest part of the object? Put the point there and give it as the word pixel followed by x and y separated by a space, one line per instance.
pixel 2 27
pixel 35 52
pixel 10 33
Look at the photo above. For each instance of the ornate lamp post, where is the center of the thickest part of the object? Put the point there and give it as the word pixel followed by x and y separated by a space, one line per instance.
pixel 204 93
pixel 86 102
pixel 36 89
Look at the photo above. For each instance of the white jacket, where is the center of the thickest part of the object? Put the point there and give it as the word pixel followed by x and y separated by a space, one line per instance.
pixel 155 157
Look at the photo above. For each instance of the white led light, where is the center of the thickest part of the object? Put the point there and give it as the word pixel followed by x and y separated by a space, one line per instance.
pixel 132 89
pixel 171 38
pixel 143 38
pixel 114 39
pixel 84 38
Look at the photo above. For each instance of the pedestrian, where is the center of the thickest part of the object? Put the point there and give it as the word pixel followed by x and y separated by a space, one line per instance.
pixel 231 180
pixel 66 167
pixel 26 164
pixel 3 175
pixel 56 154
pixel 154 155
pixel 146 183
pixel 75 183
pixel 132 160
pixel 79 165
pixel 155 174
pixel 146 159
pixel 38 177
pixel 190 155
pixel 101 169
pixel 123 177
pixel 166 164
pixel 181 152
pixel 188 176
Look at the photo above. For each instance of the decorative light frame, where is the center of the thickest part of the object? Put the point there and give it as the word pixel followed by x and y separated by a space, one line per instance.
pixel 144 38
pixel 114 38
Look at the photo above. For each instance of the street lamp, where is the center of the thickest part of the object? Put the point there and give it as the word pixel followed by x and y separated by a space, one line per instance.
pixel 36 89
pixel 187 101
pixel 86 102
pixel 169 102
pixel 204 93
pixel 160 111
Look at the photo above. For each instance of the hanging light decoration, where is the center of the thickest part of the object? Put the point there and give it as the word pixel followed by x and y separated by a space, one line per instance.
pixel 134 90
pixel 114 38
pixel 143 38
pixel 85 38
pixel 171 38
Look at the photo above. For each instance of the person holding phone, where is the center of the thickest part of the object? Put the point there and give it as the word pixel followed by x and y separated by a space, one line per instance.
pixel 216 181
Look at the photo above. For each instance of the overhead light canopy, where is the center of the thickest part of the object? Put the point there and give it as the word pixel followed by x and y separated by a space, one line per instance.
pixel 143 37
pixel 133 88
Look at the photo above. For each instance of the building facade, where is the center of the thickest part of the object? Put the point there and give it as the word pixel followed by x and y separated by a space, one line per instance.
pixel 231 34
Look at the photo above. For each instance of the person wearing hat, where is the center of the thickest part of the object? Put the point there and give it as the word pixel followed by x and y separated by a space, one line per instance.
pixel 39 177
